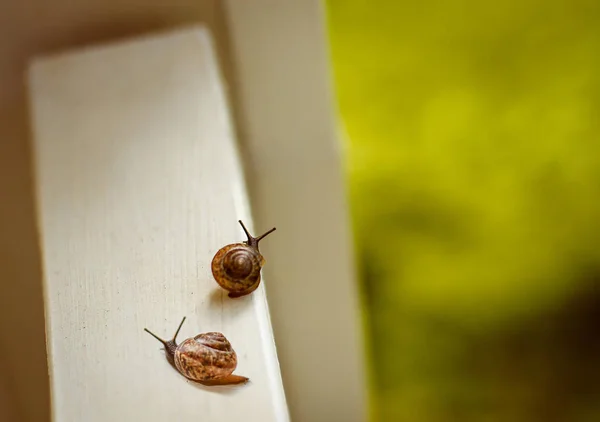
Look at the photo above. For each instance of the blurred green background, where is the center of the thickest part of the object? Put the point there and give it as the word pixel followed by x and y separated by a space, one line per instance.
pixel 473 159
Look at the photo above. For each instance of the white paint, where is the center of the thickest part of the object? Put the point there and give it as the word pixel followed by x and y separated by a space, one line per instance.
pixel 287 116
pixel 139 185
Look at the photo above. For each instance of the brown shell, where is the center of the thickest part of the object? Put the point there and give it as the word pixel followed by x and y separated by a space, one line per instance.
pixel 207 356
pixel 236 267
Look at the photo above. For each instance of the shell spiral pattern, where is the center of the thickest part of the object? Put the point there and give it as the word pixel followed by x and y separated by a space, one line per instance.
pixel 207 356
pixel 237 267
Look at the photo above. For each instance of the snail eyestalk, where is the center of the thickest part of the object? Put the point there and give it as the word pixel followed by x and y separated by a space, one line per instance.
pixel 259 238
pixel 164 342
pixel 253 241
pixel 170 345
pixel 178 328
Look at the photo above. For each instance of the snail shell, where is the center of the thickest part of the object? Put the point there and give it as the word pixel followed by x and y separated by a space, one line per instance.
pixel 207 358
pixel 236 267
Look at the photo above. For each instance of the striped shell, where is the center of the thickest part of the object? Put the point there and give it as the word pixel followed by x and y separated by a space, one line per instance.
pixel 236 267
pixel 207 356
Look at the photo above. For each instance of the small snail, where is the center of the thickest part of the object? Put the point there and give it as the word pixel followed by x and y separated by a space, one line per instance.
pixel 236 267
pixel 207 358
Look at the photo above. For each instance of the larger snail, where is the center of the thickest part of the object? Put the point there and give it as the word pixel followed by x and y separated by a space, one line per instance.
pixel 207 358
pixel 236 267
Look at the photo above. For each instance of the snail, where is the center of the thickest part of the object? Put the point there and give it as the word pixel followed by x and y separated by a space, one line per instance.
pixel 207 358
pixel 236 267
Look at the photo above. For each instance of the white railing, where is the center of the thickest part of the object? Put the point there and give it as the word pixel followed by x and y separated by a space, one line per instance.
pixel 139 183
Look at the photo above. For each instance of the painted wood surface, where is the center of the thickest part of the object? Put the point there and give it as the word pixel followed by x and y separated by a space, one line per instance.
pixel 139 183
pixel 296 168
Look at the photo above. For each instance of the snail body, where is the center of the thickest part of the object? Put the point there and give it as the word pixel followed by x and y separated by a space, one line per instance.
pixel 236 267
pixel 207 358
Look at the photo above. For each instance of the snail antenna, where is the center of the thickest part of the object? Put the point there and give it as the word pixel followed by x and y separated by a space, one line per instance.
pixel 253 241
pixel 262 236
pixel 164 342
pixel 178 328
pixel 246 231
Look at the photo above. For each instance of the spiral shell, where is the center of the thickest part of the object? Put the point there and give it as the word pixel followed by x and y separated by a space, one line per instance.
pixel 236 267
pixel 207 356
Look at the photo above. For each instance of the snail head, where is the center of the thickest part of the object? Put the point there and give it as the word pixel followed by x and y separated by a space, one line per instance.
pixel 170 345
pixel 253 241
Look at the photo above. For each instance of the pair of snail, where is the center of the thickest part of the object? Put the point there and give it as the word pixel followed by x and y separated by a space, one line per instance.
pixel 208 358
